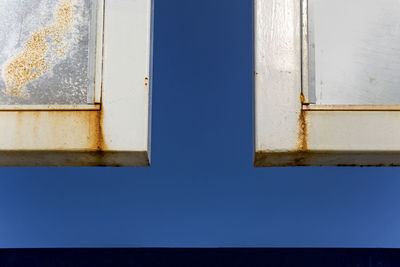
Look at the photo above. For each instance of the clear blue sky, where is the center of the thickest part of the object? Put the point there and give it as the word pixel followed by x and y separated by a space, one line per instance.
pixel 201 190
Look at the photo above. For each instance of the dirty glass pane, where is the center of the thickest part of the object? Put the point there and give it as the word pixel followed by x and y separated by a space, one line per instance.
pixel 47 51
pixel 356 50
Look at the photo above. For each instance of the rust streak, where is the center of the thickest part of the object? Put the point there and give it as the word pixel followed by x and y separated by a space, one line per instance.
pixel 96 138
pixel 100 155
pixel 100 134
pixel 89 137
pixel 302 144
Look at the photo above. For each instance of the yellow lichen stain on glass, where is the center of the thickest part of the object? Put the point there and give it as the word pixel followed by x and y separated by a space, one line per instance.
pixel 32 63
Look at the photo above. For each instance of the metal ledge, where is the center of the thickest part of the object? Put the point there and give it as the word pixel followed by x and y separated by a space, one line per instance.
pixel 50 107
pixel 71 158
pixel 351 107
pixel 327 158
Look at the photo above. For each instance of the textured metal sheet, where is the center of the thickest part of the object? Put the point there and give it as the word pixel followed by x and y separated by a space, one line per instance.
pixel 47 51
pixel 357 51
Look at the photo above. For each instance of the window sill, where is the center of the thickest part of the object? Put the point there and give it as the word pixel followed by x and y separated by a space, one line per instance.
pixel 314 107
pixel 94 107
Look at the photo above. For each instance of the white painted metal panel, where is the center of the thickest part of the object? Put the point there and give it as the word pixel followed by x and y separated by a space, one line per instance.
pixel 126 85
pixel 277 74
pixel 357 52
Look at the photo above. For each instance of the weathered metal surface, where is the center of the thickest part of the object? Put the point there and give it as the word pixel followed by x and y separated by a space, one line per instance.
pixel 335 130
pixel 289 131
pixel 74 158
pixel 49 107
pixel 357 53
pixel 61 138
pixel 127 54
pixel 47 51
pixel 50 130
pixel 115 133
pixel 278 74
pixel 308 53
pixel 341 138
pixel 327 158
pixel 98 79
pixel 351 107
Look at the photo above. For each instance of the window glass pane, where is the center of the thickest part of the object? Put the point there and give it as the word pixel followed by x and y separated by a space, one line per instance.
pixel 355 51
pixel 47 51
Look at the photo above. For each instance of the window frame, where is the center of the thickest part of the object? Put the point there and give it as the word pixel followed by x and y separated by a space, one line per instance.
pixel 291 132
pixel 115 131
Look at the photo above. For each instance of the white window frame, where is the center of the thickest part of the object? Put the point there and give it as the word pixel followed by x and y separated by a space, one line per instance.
pixel 115 131
pixel 291 132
